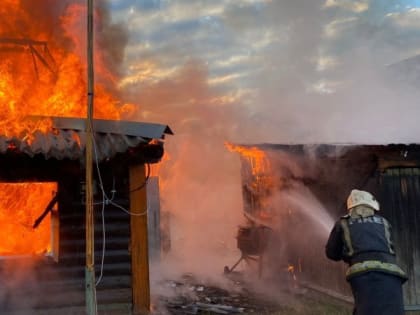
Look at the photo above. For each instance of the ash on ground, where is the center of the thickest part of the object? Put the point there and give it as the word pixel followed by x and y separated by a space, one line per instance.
pixel 191 296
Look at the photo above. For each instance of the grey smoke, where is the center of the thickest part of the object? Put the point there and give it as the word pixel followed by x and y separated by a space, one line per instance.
pixel 308 71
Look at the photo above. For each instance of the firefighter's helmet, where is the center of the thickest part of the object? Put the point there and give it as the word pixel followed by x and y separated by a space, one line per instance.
pixel 360 197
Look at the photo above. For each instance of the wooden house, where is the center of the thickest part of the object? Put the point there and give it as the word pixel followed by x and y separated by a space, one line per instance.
pixel 328 173
pixel 54 282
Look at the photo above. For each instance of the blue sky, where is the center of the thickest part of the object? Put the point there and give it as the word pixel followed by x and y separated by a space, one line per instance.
pixel 273 60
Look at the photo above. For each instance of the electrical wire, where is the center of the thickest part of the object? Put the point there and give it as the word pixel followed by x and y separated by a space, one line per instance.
pixel 106 200
pixel 128 212
pixel 145 180
pixel 101 271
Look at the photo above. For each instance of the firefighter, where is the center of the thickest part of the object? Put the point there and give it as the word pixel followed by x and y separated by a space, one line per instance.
pixel 362 239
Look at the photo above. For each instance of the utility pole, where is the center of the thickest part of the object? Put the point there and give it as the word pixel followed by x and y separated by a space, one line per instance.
pixel 90 289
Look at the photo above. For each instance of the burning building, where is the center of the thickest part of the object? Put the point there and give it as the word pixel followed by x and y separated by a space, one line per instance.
pixel 298 191
pixel 43 97
pixel 43 218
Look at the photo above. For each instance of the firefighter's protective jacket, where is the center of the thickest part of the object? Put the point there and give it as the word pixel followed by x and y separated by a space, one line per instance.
pixel 365 243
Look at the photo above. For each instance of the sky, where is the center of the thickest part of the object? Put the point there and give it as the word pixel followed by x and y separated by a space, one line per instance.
pixel 275 70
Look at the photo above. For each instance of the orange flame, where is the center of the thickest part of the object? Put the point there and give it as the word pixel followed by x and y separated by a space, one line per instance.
pixel 257 157
pixel 260 182
pixel 20 205
pixel 43 73
pixel 291 270
pixel 43 68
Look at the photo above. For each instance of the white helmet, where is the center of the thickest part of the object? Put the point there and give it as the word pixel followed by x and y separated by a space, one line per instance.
pixel 360 197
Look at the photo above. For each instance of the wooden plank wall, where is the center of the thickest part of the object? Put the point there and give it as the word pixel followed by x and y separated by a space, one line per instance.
pixel 303 246
pixel 400 202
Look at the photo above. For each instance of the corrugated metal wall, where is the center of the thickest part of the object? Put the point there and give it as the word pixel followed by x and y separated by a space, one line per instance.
pixel 59 287
pixel 400 201
pixel 114 290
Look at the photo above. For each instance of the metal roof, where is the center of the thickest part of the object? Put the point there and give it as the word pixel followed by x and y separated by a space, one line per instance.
pixel 67 140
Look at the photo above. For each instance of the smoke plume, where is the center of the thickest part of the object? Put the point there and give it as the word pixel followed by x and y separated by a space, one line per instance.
pixel 260 71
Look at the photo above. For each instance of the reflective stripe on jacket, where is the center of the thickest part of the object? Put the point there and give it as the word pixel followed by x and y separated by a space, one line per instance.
pixel 365 243
pixel 374 265
pixel 366 234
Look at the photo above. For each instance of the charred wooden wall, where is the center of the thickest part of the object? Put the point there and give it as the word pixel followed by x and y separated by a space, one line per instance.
pixel 392 173
pixel 400 200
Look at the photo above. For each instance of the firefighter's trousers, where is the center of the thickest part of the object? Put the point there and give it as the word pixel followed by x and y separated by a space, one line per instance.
pixel 377 293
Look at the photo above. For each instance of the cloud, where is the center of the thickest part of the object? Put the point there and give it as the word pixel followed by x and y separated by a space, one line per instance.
pixel 274 56
pixel 325 62
pixel 334 28
pixel 353 6
pixel 407 20
pixel 146 72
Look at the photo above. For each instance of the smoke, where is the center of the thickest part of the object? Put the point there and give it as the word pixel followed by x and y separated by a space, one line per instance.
pixel 110 39
pixel 44 20
pixel 200 186
pixel 19 274
pixel 307 71
pixel 325 76
pixel 298 72
pixel 22 276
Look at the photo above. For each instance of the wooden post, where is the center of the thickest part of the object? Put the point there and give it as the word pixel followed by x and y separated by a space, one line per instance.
pixel 90 289
pixel 139 243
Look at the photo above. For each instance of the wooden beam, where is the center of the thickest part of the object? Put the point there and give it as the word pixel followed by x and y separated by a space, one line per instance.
pixel 401 163
pixel 138 240
pixel 90 283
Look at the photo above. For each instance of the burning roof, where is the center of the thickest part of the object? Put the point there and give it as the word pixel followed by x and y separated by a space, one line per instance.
pixel 67 138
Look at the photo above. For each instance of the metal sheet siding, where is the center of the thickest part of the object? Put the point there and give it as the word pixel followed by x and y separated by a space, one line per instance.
pixel 40 285
pixel 70 144
pixel 68 139
pixel 131 128
pixel 400 204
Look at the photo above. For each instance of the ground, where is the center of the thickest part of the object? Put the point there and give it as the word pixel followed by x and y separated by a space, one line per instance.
pixel 188 295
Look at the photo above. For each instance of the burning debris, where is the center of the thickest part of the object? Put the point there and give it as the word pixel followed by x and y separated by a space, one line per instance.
pixel 191 296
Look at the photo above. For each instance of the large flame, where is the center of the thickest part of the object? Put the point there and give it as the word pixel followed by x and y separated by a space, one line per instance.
pixel 43 73
pixel 259 182
pixel 20 206
pixel 43 66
